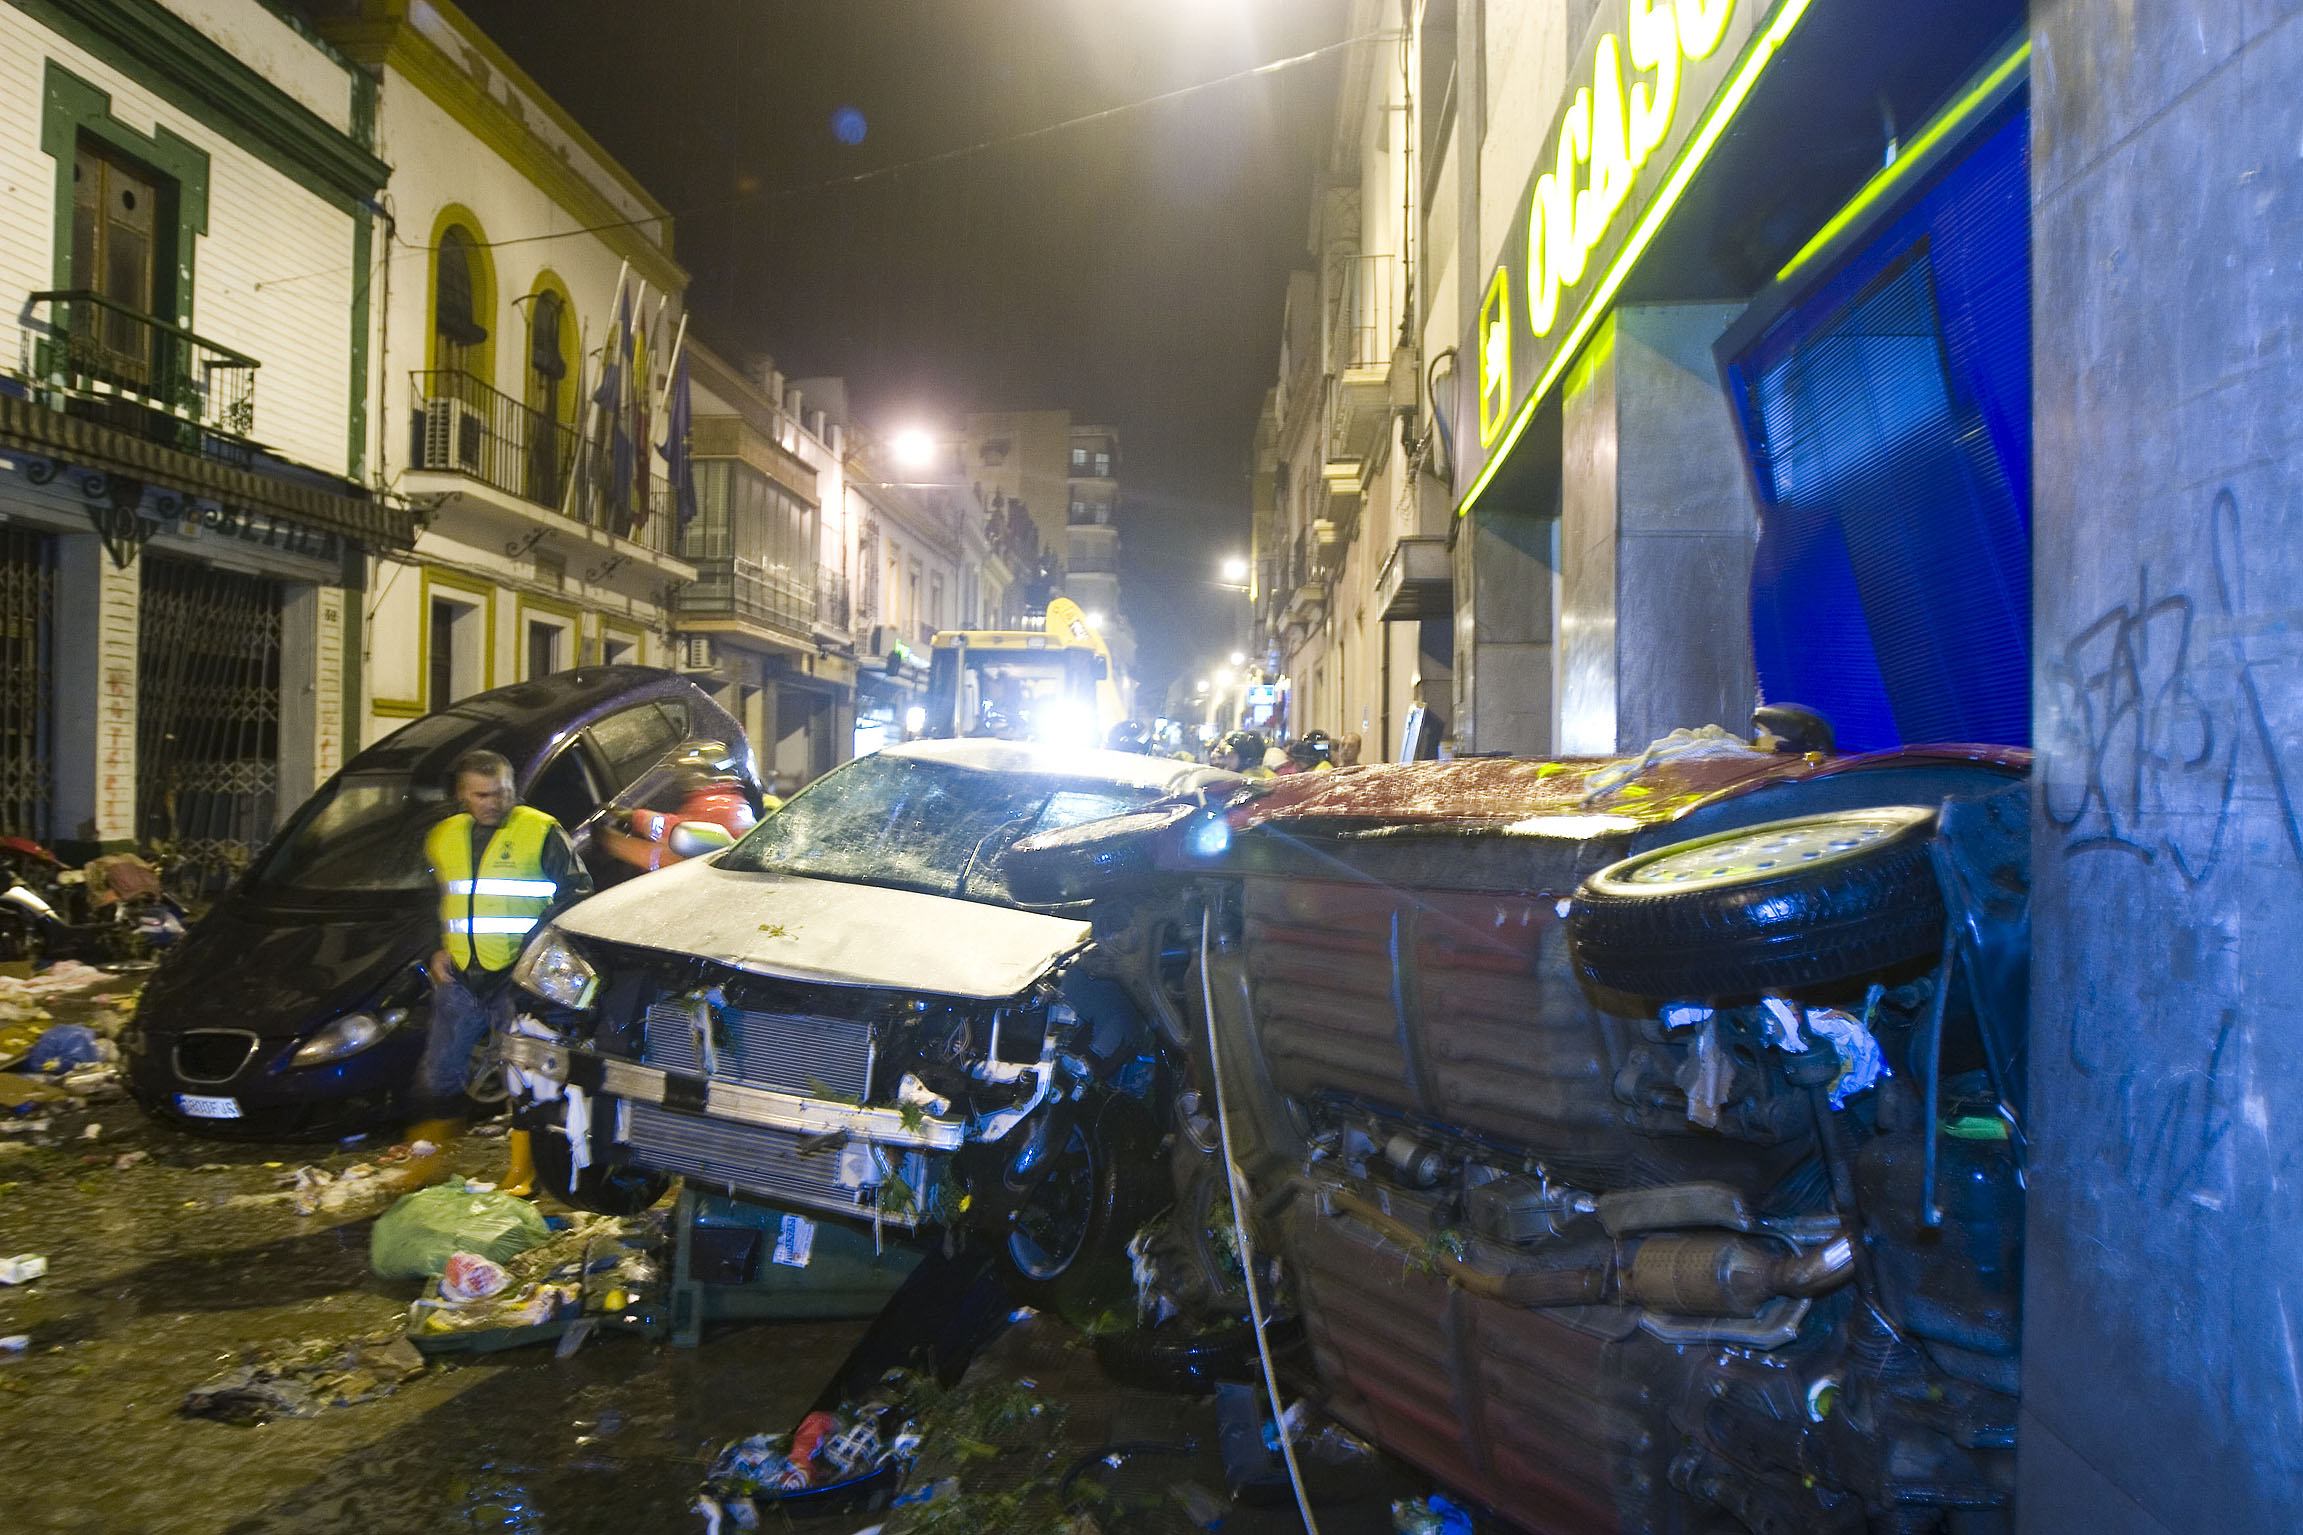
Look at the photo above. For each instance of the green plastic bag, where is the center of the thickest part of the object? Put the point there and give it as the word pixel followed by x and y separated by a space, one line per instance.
pixel 414 1238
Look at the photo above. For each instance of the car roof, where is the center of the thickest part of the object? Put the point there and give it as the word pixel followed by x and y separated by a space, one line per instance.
pixel 1128 770
pixel 525 719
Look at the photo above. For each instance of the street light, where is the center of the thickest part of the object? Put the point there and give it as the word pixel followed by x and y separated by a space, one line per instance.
pixel 1239 658
pixel 1235 568
pixel 914 448
pixel 1095 619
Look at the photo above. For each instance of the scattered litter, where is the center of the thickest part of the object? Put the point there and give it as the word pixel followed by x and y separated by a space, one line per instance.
pixel 89 1132
pixel 469 1277
pixel 21 1094
pixel 315 1190
pixel 15 1343
pixel 305 1381
pixel 1434 1515
pixel 795 1242
pixel 23 1268
pixel 64 1046
pixel 1707 1075
pixel 1790 1028
pixel 128 1159
pixel 416 1237
pixel 65 975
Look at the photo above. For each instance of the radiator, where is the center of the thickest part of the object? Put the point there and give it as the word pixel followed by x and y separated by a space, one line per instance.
pixel 748 1159
pixel 795 1052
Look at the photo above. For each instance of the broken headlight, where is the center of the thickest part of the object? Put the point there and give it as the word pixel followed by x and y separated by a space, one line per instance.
pixel 552 968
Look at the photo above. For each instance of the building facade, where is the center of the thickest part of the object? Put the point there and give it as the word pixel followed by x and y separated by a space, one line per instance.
pixel 1348 498
pixel 522 267
pixel 1925 366
pixel 1064 476
pixel 766 623
pixel 186 443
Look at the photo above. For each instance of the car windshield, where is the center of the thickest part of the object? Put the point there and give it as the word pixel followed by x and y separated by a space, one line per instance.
pixel 364 832
pixel 921 825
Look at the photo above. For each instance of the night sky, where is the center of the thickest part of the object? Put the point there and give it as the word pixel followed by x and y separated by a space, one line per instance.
pixel 1131 270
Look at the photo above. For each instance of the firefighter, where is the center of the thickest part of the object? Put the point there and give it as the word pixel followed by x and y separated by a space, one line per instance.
pixel 502 868
pixel 707 789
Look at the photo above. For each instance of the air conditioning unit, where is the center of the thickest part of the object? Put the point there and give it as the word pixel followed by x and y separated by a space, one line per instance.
pixel 452 436
pixel 695 653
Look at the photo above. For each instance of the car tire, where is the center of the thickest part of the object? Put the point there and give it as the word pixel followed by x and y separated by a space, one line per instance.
pixel 1782 906
pixel 604 1188
pixel 1066 1250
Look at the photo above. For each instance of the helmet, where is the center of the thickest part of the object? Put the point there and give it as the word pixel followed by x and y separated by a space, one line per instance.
pixel 1313 746
pixel 1129 736
pixel 706 762
pixel 1244 746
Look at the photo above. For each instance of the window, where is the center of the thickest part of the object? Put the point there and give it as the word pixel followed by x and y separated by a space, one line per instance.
pixel 547 644
pixel 1079 460
pixel 116 238
pixel 632 740
pixel 457 664
pixel 615 652
pixel 462 300
pixel 1103 466
pixel 565 790
pixel 549 395
pixel 936 601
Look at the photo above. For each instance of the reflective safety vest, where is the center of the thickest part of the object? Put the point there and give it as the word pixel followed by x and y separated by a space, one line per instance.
pixel 485 913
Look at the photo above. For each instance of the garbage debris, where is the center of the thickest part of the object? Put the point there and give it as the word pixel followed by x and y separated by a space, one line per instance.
pixel 306 1381
pixel 64 1046
pixel 1433 1515
pixel 468 1277
pixel 23 1268
pixel 592 1267
pixel 415 1238
pixel 15 1343
pixel 1707 1075
pixel 20 1094
pixel 1861 1064
pixel 63 976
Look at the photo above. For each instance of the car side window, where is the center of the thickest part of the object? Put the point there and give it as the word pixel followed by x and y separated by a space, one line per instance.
pixel 632 741
pixel 566 789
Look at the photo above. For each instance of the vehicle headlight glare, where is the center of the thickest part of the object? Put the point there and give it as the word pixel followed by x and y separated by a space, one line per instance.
pixel 552 969
pixel 348 1035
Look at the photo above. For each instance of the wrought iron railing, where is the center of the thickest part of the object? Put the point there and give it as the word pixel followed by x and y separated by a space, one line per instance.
pixel 465 426
pixel 1361 303
pixel 80 343
pixel 831 599
pixel 735 587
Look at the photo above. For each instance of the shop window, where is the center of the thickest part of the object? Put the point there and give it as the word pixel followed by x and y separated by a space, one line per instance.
pixel 1887 417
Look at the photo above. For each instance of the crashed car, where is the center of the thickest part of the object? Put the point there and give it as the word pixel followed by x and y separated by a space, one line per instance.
pixel 1634 1144
pixel 298 1004
pixel 852 1013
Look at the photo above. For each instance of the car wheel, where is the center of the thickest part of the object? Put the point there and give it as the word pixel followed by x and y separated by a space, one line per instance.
pixel 604 1188
pixel 1780 906
pixel 1065 1246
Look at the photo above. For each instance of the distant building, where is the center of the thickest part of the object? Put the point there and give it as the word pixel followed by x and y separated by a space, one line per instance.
pixel 1064 477
pixel 189 246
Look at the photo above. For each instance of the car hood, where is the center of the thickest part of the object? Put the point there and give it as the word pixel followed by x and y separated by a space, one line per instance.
pixel 281 972
pixel 802 929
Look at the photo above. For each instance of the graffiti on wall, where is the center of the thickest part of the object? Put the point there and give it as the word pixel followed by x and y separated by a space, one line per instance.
pixel 2157 715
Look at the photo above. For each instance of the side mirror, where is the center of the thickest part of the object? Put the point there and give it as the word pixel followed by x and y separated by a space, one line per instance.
pixel 693 839
pixel 1094 859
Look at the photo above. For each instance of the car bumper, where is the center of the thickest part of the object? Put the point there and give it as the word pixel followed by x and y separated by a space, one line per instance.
pixel 562 1065
pixel 272 1097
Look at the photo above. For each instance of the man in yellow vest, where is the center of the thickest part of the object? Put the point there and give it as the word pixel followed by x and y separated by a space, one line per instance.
pixel 502 867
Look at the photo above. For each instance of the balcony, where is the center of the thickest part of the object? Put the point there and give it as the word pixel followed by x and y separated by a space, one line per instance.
pixel 493 467
pixel 1417 581
pixel 832 602
pixel 141 374
pixel 1361 337
pixel 732 593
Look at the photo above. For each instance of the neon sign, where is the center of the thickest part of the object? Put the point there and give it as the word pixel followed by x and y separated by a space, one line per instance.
pixel 1662 78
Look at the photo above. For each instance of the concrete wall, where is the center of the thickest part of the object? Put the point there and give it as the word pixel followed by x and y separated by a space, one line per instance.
pixel 1656 536
pixel 2163 1358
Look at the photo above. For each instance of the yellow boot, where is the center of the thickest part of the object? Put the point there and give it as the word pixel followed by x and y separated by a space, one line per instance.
pixel 426 1168
pixel 520 1176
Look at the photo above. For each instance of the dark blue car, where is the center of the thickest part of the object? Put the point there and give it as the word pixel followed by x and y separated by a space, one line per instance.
pixel 298 1005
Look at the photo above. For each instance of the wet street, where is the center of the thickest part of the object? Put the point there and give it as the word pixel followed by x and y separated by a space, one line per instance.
pixel 172 1258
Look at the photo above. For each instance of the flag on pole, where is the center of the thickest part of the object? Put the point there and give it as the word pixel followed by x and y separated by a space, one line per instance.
pixel 679 468
pixel 615 372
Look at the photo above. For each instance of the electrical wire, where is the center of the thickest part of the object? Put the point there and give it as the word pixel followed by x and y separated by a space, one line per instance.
pixel 1233 1179
pixel 920 162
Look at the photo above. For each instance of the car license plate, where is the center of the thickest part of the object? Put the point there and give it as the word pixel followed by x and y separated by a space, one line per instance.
pixel 208 1108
